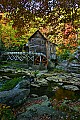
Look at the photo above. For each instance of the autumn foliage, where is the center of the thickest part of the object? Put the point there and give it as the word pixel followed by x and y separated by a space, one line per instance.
pixel 70 36
pixel 57 20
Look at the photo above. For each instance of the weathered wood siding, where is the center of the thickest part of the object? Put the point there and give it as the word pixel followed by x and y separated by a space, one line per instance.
pixel 37 44
pixel 51 50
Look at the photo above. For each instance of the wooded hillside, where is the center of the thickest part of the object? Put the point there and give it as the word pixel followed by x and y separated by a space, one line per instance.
pixel 58 20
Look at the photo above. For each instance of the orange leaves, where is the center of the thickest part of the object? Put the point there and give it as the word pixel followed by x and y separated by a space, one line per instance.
pixel 70 37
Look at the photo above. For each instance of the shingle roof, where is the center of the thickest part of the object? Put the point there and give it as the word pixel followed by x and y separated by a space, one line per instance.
pixel 36 33
pixel 42 36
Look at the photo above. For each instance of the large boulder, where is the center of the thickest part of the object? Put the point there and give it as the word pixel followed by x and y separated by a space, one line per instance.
pixel 40 109
pixel 74 62
pixel 74 67
pixel 17 95
pixel 42 106
pixel 14 97
pixel 42 82
pixel 24 84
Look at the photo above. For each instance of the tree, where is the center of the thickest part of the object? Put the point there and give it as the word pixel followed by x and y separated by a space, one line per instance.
pixel 50 16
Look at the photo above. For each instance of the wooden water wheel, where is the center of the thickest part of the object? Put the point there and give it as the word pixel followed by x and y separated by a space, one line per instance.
pixel 44 60
pixel 41 59
pixel 37 60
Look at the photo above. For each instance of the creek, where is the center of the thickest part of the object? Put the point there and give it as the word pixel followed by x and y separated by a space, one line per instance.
pixel 59 93
pixel 53 90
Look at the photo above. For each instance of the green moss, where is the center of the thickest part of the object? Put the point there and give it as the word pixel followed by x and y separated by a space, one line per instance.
pixel 10 84
pixel 58 70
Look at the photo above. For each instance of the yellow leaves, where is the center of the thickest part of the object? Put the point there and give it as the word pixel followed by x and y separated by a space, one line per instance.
pixel 56 14
pixel 6 112
pixel 78 11
pixel 39 19
pixel 3 106
pixel 59 51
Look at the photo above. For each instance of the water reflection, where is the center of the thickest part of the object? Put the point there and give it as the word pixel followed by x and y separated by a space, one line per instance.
pixel 65 94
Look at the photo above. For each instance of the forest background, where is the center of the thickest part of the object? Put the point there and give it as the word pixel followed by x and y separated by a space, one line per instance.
pixel 58 20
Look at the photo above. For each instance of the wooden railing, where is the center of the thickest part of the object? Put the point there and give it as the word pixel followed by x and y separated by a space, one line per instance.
pixel 21 56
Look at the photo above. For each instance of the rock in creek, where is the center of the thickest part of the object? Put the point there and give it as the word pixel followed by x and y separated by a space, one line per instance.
pixel 71 87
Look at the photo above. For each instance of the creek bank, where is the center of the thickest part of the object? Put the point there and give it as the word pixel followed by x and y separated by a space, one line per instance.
pixel 39 108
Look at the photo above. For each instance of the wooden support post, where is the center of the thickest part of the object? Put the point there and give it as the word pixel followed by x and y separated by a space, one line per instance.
pixel 33 59
pixel 27 60
pixel 40 59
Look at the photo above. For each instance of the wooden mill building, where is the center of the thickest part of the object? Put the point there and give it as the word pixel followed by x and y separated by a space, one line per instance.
pixel 38 51
pixel 37 43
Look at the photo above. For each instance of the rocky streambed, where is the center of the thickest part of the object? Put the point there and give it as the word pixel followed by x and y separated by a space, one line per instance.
pixel 42 95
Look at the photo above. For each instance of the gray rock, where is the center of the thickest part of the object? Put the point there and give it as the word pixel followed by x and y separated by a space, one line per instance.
pixel 9 70
pixel 42 82
pixel 60 84
pixel 75 75
pixel 74 62
pixel 0 77
pixel 6 77
pixel 49 79
pixel 14 97
pixel 55 88
pixel 24 84
pixel 17 95
pixel 71 87
pixel 34 95
pixel 53 78
pixel 77 83
pixel 37 109
pixel 35 85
